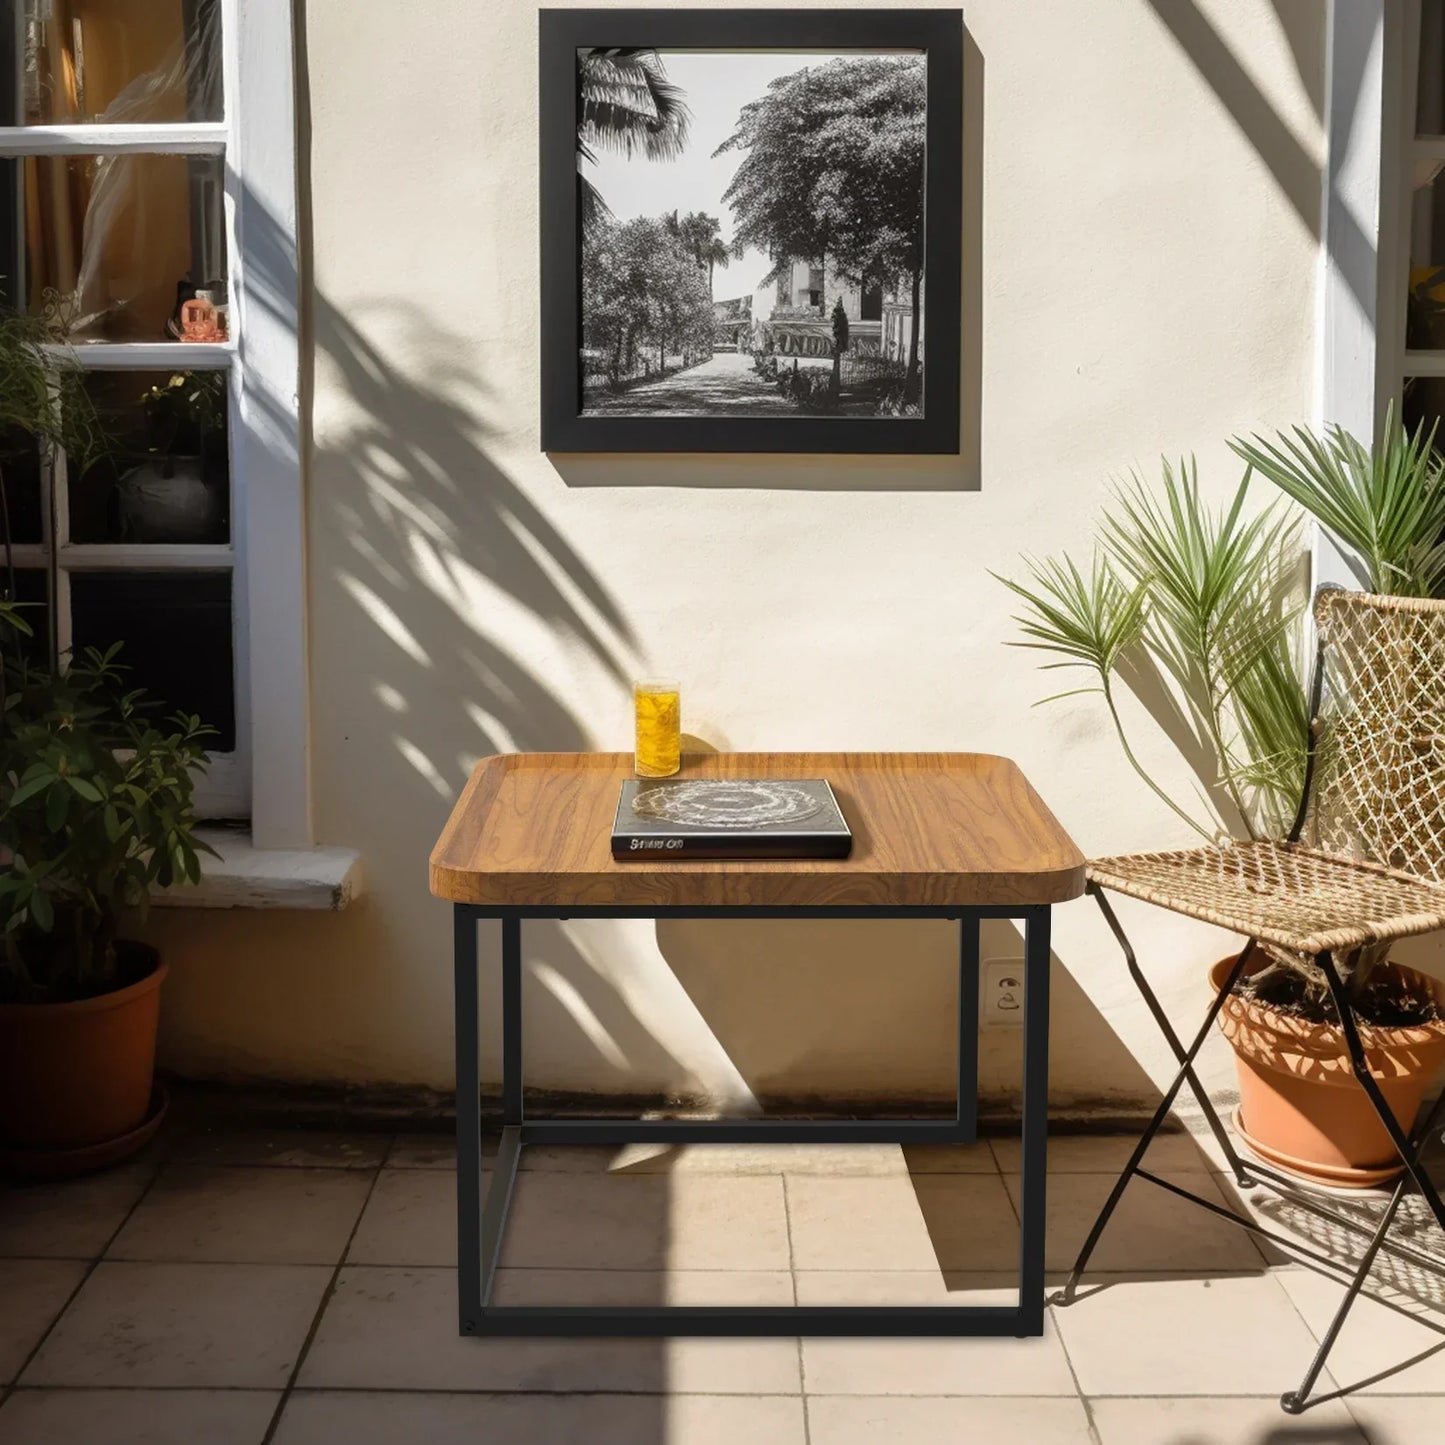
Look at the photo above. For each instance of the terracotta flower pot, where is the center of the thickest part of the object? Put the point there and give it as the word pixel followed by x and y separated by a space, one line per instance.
pixel 74 1075
pixel 1301 1106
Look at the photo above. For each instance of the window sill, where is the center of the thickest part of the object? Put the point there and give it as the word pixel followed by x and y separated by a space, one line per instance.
pixel 326 879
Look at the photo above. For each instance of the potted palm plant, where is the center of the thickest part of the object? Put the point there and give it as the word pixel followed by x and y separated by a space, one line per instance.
pixel 95 808
pixel 1200 611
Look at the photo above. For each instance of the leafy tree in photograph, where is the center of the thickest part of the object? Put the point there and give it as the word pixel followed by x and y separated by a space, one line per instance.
pixel 834 167
pixel 625 104
pixel 642 287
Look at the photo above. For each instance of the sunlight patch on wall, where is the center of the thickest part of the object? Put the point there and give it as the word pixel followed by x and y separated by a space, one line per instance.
pixel 386 619
pixel 425 767
pixel 581 1013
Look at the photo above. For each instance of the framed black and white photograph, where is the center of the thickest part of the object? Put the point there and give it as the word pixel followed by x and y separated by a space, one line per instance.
pixel 750 230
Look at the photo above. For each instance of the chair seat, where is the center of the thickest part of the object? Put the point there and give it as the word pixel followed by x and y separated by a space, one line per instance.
pixel 1281 893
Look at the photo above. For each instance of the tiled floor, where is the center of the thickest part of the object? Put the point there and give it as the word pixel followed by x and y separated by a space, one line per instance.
pixel 241 1287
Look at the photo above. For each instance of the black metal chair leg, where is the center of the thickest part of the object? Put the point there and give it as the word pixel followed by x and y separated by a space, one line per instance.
pixel 1408 1150
pixel 1293 1402
pixel 1299 1399
pixel 1186 1071
pixel 1237 1166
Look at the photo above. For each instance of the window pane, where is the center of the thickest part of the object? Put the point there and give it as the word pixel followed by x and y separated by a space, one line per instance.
pixel 20 477
pixel 175 628
pixel 165 476
pixel 1425 316
pixel 32 591
pixel 112 246
pixel 1423 399
pixel 114 62
pixel 1430 106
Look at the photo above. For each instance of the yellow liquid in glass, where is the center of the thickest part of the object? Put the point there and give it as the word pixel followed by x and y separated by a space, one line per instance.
pixel 658 709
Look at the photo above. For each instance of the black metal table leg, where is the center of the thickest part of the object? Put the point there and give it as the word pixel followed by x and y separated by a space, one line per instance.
pixel 967 1084
pixel 481 1221
pixel 1035 1128
pixel 469 1119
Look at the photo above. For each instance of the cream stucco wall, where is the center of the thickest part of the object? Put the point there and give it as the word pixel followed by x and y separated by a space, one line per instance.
pixel 1140 278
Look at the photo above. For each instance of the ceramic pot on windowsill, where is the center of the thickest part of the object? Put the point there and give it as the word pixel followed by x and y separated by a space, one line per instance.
pixel 1301 1107
pixel 169 498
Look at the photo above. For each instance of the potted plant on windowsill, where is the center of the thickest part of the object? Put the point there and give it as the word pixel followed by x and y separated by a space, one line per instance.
pixel 1201 612
pixel 176 492
pixel 95 809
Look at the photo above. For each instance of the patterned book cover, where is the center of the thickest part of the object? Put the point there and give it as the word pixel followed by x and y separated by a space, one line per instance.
pixel 728 818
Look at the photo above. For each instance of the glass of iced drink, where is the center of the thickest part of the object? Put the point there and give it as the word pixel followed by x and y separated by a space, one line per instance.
pixel 658 707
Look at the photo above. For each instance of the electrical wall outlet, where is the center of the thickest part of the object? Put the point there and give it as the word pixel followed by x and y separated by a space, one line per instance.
pixel 1002 984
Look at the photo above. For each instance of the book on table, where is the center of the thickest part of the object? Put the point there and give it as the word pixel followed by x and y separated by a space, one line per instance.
pixel 679 818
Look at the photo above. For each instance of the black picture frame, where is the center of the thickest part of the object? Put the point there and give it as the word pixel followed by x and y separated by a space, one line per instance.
pixel 937 33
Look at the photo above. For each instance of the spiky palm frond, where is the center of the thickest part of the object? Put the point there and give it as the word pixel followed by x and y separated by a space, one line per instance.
pixel 1207 594
pixel 1388 505
pixel 1090 620
pixel 626 104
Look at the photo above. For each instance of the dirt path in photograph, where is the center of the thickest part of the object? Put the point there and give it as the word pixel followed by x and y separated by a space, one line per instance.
pixel 725 385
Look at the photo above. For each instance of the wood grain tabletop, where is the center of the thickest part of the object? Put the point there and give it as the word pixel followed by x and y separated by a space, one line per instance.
pixel 929 830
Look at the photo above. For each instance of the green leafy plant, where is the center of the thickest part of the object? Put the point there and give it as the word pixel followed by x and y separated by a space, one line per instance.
pixel 1197 605
pixel 1202 601
pixel 43 403
pixel 185 410
pixel 95 808
pixel 1386 504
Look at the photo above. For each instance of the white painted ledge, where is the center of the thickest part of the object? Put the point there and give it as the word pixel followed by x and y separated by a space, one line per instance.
pixel 327 879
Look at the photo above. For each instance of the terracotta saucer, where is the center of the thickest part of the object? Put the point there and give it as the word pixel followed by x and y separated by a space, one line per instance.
pixel 1321 1176
pixel 66 1163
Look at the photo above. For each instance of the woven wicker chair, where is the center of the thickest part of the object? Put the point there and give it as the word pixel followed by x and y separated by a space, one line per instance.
pixel 1364 863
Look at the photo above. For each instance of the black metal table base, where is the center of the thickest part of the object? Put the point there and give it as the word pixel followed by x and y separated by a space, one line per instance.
pixel 1251 1173
pixel 482 1218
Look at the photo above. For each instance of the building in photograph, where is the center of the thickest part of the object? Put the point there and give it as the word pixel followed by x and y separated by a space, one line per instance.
pixel 732 320
pixel 793 309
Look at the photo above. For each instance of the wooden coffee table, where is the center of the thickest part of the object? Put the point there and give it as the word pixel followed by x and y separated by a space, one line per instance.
pixel 936 835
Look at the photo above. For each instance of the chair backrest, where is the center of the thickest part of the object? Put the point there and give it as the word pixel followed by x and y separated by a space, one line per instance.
pixel 1379 779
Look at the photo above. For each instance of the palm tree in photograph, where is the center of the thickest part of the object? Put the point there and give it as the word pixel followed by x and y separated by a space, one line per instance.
pixel 701 235
pixel 625 104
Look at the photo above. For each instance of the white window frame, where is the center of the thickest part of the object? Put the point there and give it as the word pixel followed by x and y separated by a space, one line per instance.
pixel 1373 72
pixel 268 776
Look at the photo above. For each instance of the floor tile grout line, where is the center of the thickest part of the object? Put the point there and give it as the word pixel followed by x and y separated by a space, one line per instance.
pixel 1326 1375
pixel 91 1266
pixel 1051 1312
pixel 793 1282
pixel 326 1296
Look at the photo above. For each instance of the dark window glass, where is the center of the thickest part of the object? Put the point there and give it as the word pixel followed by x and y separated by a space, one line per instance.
pixel 1425 317
pixel 1430 101
pixel 175 628
pixel 32 591
pixel 165 475
pixel 20 477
